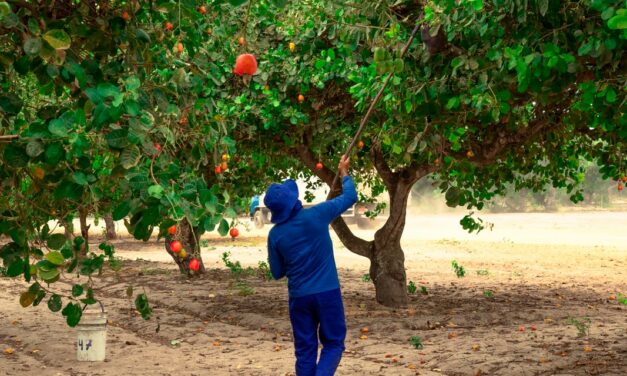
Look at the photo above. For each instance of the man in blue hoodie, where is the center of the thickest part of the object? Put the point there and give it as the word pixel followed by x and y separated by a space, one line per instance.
pixel 300 247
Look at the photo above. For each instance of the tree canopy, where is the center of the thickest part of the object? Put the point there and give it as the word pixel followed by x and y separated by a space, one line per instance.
pixel 129 107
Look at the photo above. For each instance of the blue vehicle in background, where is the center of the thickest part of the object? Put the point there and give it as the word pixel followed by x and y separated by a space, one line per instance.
pixel 254 204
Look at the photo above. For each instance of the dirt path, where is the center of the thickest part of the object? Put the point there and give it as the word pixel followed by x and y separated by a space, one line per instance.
pixel 538 284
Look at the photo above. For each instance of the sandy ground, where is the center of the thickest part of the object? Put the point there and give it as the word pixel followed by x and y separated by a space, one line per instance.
pixel 541 270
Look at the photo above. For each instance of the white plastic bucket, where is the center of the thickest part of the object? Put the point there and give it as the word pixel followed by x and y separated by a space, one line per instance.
pixel 92 335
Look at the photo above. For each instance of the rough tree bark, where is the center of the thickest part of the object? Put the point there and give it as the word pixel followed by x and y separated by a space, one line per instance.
pixel 185 235
pixel 110 225
pixel 82 213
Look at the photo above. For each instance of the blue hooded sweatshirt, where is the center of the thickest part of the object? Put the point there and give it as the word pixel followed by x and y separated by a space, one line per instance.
pixel 301 248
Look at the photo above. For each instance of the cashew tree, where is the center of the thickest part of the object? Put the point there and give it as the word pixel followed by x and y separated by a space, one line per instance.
pixel 494 95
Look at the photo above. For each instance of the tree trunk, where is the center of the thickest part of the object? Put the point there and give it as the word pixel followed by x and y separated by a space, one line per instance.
pixel 387 271
pixel 84 226
pixel 185 235
pixel 387 261
pixel 68 228
pixel 110 224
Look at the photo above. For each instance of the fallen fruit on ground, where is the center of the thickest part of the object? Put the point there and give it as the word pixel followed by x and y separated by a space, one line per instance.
pixel 521 328
pixel 202 9
pixel 176 246
pixel 194 265
pixel 241 41
pixel 245 64
pixel 364 329
pixel 363 337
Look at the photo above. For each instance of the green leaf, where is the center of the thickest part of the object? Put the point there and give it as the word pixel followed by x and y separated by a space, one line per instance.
pixel 55 257
pixel 19 236
pixel 58 39
pixel 54 303
pixel 618 22
pixel 155 191
pixel 610 97
pixel 47 275
pixel 80 178
pixel 34 148
pixel 223 229
pixel 15 268
pixel 132 107
pixel 453 103
pixel 56 241
pixel 121 211
pixel 142 305
pixel 68 190
pixel 585 49
pixel 230 213
pixel 15 156
pixel 11 104
pixel 452 197
pixel 117 139
pixel 41 294
pixel 54 153
pixel 142 35
pixel 33 26
pixel 92 94
pixel 77 290
pixel 237 3
pixel 132 83
pixel 72 313
pixel 58 128
pixel 106 90
pixel 32 46
pixel 544 7
pixel 130 157
pixel 5 9
pixel 608 13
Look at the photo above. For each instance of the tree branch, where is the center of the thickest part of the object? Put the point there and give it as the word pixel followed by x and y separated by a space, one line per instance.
pixel 383 169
